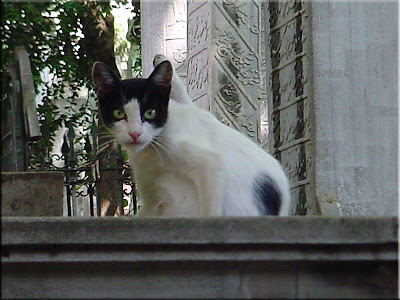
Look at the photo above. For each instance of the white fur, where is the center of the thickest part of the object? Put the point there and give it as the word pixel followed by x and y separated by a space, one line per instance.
pixel 178 89
pixel 195 165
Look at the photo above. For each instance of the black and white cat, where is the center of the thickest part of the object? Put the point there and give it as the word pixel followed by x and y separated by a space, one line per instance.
pixel 185 162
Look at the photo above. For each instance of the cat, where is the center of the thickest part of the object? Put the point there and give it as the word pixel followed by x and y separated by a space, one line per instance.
pixel 185 162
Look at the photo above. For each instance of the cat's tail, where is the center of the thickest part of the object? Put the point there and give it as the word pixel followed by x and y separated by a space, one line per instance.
pixel 285 209
pixel 178 89
pixel 273 194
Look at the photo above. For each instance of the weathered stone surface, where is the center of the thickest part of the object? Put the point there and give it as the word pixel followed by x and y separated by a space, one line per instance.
pixel 355 88
pixel 32 194
pixel 289 257
pixel 164 31
pixel 290 97
pixel 213 230
pixel 225 53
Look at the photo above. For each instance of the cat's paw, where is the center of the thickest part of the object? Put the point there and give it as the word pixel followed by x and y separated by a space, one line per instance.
pixel 158 59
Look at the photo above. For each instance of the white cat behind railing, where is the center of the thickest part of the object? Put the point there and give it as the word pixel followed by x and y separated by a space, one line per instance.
pixel 185 162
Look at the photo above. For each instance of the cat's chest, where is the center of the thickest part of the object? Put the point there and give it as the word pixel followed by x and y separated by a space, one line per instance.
pixel 152 163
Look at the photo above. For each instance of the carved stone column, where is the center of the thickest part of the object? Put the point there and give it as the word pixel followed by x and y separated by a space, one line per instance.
pixel 333 90
pixel 247 63
pixel 225 53
pixel 288 58
pixel 164 30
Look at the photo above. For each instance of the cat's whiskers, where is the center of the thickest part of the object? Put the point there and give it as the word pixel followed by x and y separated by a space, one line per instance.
pixel 159 144
pixel 163 144
pixel 158 152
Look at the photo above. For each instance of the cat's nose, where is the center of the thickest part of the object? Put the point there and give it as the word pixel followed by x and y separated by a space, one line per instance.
pixel 134 135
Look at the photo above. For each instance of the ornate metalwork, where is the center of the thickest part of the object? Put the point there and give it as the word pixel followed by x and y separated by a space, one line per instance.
pixel 79 161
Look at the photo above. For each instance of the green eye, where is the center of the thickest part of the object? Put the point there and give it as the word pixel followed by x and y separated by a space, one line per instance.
pixel 150 114
pixel 119 114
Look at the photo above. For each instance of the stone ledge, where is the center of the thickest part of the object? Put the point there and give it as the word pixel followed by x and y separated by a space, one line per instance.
pixel 289 257
pixel 227 230
pixel 189 239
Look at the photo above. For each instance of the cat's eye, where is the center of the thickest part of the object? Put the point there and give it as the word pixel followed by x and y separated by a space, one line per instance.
pixel 119 114
pixel 150 114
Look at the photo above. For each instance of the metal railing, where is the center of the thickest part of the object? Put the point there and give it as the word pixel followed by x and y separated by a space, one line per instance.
pixel 28 145
pixel 83 171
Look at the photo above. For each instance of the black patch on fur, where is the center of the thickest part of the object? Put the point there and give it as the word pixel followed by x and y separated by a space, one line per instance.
pixel 268 195
pixel 152 93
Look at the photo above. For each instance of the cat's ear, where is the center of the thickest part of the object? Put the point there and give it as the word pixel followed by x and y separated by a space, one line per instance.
pixel 104 79
pixel 162 74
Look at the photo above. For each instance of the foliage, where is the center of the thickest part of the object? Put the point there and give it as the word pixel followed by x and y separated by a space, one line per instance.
pixel 51 32
pixel 134 37
pixel 24 24
pixel 64 39
pixel 60 37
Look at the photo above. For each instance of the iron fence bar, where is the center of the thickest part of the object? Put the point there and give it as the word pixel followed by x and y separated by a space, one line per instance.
pixel 82 173
pixel 69 209
pixel 134 200
pixel 98 207
pixel 91 204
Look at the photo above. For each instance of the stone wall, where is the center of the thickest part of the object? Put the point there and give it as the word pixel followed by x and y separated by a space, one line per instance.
pixel 314 83
pixel 355 95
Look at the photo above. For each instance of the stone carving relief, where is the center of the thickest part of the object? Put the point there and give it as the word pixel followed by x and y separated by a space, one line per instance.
pixel 287 33
pixel 179 55
pixel 229 96
pixel 199 29
pixel 238 11
pixel 227 33
pixel 198 72
pixel 239 61
pixel 228 99
pixel 198 75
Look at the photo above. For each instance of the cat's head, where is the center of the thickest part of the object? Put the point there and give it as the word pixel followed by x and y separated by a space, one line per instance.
pixel 135 110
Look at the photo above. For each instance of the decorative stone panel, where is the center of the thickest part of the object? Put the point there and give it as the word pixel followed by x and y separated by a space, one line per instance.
pixel 247 63
pixel 225 53
pixel 287 62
